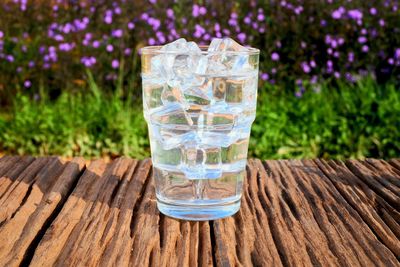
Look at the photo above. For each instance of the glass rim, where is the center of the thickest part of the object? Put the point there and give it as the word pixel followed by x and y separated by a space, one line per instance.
pixel 156 50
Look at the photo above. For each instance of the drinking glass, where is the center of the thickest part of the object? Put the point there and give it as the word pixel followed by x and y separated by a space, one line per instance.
pixel 199 107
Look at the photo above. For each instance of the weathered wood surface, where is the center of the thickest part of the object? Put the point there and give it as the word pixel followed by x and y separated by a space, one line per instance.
pixel 308 213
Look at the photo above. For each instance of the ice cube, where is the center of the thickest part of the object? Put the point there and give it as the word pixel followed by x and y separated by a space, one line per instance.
pixel 173 138
pixel 152 95
pixel 172 94
pixel 172 115
pixel 219 89
pixel 202 65
pixel 162 66
pixel 232 62
pixel 201 95
pixel 199 162
pixel 225 44
pixel 220 116
pixel 176 46
pixel 193 48
pixel 234 90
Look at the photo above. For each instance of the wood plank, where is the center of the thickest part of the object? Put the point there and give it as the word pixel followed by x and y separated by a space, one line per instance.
pixel 17 189
pixel 374 210
pixel 11 169
pixel 47 191
pixel 376 181
pixel 312 223
pixel 395 163
pixel 246 238
pixel 111 218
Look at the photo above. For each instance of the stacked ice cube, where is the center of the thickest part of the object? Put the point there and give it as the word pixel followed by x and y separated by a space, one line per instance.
pixel 198 103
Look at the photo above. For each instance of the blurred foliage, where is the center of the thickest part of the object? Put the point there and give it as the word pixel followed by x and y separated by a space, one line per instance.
pixel 348 121
pixel 45 46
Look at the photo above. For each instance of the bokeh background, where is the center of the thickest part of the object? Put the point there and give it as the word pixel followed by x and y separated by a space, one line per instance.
pixel 329 73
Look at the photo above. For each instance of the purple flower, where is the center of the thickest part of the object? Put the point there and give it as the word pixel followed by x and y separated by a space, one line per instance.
pixel 88 61
pixel 337 75
pixel 323 23
pixel 390 61
pixel 151 41
pixel 10 58
pixel 355 14
pixel 115 64
pixel 217 28
pixel 397 53
pixel 260 17
pixel 298 94
pixel 202 10
pixel 247 20
pixel 336 14
pixel 264 76
pixel 381 22
pixel 108 19
pixel 314 79
pixel 170 13
pixel 298 10
pixel 364 31
pixel 313 64
pixel 109 48
pixel 117 33
pixel 273 70
pixel 306 68
pixel 59 38
pixel 144 16
pixel 373 11
pixel 127 51
pixel 365 48
pixel 131 25
pixel 19 69
pixel 350 57
pixel 96 44
pixel 1 34
pixel 329 64
pixel 340 41
pixel 117 10
pixel 27 84
pixel 362 39
pixel 153 1
pixel 31 64
pixel 275 56
pixel 336 54
pixel 232 22
pixel 195 11
pixel 65 47
pixel 241 37
pixel 349 77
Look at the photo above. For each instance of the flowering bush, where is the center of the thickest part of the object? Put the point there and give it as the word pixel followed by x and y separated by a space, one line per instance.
pixel 49 46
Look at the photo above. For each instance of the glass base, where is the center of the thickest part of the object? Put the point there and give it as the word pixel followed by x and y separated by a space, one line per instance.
pixel 199 212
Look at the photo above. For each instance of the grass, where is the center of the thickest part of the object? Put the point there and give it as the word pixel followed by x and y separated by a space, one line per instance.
pixel 349 121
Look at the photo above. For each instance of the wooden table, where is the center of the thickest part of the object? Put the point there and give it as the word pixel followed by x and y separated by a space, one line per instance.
pixel 309 212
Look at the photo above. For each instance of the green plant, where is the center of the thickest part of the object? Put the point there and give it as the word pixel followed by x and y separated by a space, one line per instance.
pixel 348 121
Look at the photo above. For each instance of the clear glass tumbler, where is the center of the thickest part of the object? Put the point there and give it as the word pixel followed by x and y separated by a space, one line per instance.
pixel 199 107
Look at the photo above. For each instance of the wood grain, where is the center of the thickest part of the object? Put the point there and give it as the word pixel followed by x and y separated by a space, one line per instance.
pixel 28 204
pixel 293 212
